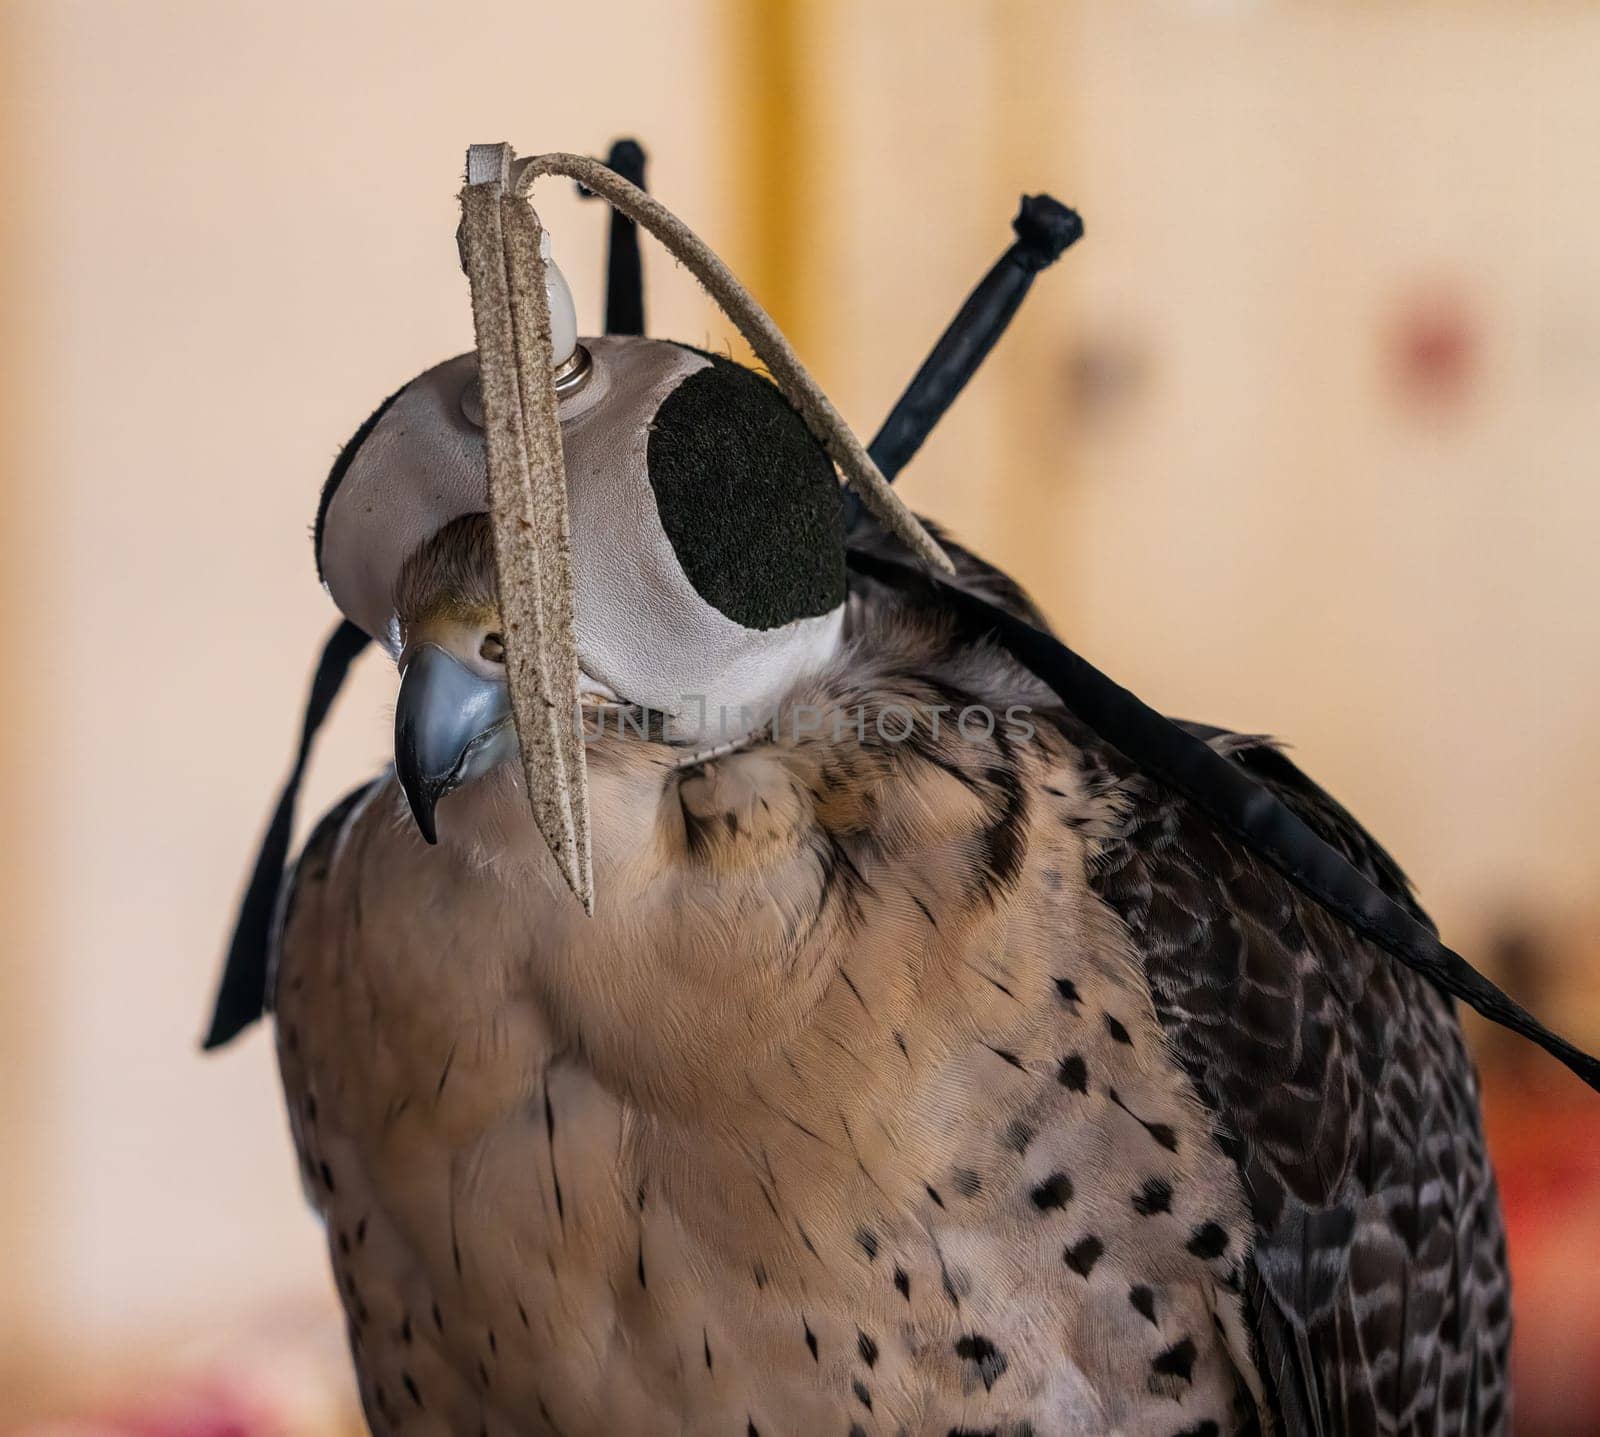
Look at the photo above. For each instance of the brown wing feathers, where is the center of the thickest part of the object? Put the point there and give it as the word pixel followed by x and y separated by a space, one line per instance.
pixel 1344 1092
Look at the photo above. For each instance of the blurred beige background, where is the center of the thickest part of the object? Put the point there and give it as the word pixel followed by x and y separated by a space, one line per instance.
pixel 1304 438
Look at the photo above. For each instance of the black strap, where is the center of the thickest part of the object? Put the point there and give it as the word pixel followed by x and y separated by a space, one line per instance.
pixel 1044 228
pixel 624 266
pixel 242 994
pixel 1236 803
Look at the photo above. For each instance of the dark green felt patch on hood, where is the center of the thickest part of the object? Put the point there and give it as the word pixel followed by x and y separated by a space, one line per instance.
pixel 748 498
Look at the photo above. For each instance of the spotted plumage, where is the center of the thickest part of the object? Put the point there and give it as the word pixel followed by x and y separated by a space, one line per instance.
pixel 967 1083
pixel 1376 1269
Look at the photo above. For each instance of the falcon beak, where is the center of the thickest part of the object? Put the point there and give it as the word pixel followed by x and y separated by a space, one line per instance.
pixel 450 726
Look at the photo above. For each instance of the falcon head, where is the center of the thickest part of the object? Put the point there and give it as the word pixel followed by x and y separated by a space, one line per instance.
pixel 707 552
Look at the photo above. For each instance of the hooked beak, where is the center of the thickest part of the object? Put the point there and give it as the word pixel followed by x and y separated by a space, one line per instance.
pixel 450 726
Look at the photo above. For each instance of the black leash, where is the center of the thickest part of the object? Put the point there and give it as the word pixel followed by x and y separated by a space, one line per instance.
pixel 624 265
pixel 242 993
pixel 1044 228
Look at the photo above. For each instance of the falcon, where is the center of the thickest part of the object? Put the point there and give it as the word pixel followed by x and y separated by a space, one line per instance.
pixel 864 1017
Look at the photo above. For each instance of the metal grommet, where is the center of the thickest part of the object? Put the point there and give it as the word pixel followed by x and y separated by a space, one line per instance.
pixel 570 378
pixel 574 374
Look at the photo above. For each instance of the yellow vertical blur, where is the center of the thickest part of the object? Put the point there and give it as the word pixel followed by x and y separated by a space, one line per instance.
pixel 772 155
